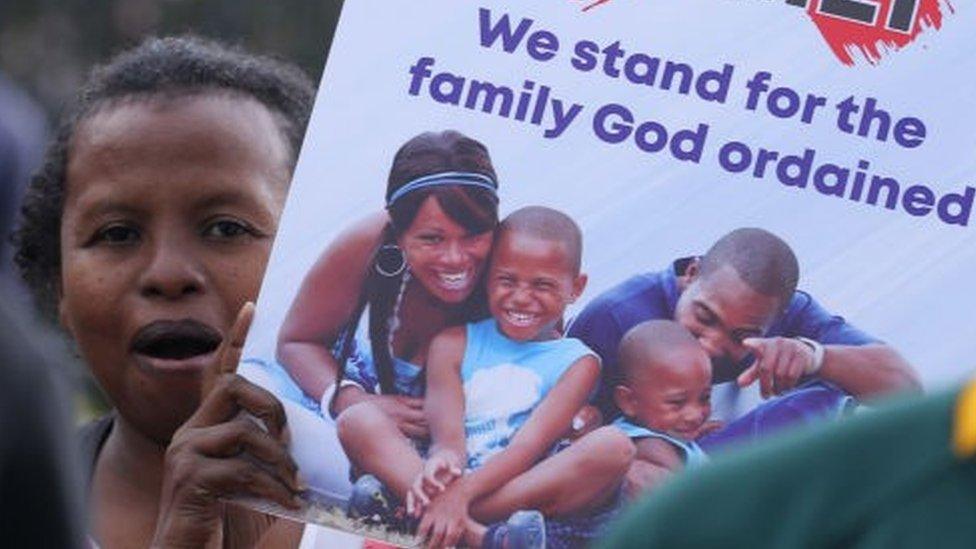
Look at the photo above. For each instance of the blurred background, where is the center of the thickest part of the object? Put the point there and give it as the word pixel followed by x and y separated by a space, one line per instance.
pixel 48 46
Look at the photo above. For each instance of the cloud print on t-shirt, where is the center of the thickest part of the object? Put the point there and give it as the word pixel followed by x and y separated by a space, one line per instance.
pixel 501 390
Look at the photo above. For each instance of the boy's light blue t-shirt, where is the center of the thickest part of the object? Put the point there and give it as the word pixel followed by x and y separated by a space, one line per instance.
pixel 692 453
pixel 504 380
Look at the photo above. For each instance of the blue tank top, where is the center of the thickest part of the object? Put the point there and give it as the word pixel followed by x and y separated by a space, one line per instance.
pixel 407 378
pixel 692 453
pixel 504 380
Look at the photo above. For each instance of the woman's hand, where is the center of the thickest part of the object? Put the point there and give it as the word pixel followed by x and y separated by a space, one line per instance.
pixel 446 519
pixel 440 470
pixel 407 412
pixel 234 444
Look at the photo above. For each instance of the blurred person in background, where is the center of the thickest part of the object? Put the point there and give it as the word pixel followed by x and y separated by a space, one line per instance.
pixel 39 483
pixel 23 131
pixel 40 488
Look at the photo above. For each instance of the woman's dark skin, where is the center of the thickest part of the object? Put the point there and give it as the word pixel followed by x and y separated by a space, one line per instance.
pixel 171 206
pixel 327 299
pixel 197 472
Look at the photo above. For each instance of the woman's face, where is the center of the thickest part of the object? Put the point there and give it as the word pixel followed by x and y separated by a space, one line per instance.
pixel 446 259
pixel 170 210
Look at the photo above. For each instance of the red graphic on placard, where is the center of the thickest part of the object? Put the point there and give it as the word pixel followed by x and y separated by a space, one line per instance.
pixel 872 27
pixel 873 41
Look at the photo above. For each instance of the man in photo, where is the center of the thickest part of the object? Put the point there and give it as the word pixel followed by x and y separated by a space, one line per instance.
pixel 740 302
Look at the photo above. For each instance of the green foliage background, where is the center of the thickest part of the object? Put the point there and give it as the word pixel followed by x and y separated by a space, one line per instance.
pixel 47 46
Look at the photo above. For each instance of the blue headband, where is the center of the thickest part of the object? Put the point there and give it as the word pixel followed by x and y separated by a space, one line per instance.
pixel 468 179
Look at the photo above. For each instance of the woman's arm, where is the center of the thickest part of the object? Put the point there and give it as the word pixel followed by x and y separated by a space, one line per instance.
pixel 326 300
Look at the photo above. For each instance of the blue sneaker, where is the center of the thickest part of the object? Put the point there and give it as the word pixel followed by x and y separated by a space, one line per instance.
pixel 522 530
pixel 371 501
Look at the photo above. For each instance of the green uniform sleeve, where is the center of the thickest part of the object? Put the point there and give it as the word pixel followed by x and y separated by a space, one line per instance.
pixel 836 485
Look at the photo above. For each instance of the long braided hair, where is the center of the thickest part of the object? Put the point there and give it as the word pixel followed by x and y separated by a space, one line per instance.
pixel 388 276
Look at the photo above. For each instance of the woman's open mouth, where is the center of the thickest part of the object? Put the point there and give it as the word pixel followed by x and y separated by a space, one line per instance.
pixel 175 345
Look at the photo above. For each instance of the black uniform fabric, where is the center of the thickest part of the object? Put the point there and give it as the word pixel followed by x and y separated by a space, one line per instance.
pixel 40 492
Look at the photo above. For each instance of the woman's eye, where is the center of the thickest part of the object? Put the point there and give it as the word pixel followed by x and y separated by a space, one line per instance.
pixel 479 238
pixel 226 228
pixel 116 234
pixel 432 238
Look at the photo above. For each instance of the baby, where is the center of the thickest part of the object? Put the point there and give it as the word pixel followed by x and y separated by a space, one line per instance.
pixel 665 398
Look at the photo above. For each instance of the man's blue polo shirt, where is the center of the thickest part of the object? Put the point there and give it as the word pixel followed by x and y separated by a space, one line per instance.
pixel 652 296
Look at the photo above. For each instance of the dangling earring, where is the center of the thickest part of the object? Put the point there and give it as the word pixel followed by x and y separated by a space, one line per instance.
pixel 393 323
pixel 390 261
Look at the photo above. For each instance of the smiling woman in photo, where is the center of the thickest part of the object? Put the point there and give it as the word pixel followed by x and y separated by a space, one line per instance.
pixel 417 267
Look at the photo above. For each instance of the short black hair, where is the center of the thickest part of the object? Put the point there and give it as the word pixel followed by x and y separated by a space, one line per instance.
pixel 157 68
pixel 764 261
pixel 650 345
pixel 547 224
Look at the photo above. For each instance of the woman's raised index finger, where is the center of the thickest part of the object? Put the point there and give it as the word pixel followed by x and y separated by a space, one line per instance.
pixel 229 352
pixel 235 340
pixel 233 394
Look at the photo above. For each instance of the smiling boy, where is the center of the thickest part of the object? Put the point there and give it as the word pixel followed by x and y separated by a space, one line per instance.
pixel 740 301
pixel 517 385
